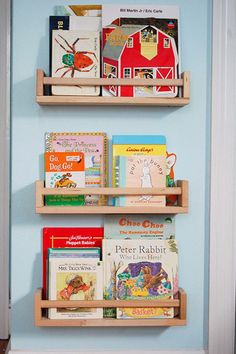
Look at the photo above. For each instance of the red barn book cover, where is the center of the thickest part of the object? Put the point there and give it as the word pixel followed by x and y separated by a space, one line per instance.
pixel 68 237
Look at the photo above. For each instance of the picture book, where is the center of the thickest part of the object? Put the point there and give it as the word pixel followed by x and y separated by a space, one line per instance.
pixel 139 226
pixel 65 237
pixel 95 149
pixel 170 177
pixel 141 172
pixel 72 23
pixel 129 145
pixel 138 270
pixel 75 54
pixel 64 170
pixel 74 278
pixel 79 10
pixel 140 41
pixel 92 252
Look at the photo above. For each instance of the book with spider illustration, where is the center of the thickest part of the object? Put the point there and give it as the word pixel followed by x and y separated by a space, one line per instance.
pixel 64 170
pixel 139 270
pixel 75 54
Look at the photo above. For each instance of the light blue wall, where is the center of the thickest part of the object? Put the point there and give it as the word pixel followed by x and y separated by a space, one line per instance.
pixel 187 132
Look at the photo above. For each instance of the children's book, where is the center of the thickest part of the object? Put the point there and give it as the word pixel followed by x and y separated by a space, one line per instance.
pixel 129 145
pixel 64 170
pixel 65 237
pixel 79 10
pixel 75 278
pixel 141 172
pixel 95 149
pixel 138 270
pixel 72 23
pixel 139 226
pixel 140 41
pixel 75 54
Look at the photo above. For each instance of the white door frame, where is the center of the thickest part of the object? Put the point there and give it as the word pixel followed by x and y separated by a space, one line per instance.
pixel 4 165
pixel 222 181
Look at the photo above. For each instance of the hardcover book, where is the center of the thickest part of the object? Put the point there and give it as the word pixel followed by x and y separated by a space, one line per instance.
pixel 95 149
pixel 140 269
pixel 129 145
pixel 75 278
pixel 141 172
pixel 65 237
pixel 140 42
pixel 75 54
pixel 64 170
pixel 139 226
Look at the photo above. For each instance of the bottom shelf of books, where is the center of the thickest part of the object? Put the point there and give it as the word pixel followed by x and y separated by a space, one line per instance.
pixel 179 305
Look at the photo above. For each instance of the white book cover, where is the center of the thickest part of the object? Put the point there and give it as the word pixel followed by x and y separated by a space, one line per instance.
pixel 75 279
pixel 141 41
pixel 140 270
pixel 75 54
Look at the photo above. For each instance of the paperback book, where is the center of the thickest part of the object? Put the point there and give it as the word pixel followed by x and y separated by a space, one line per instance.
pixel 138 270
pixel 142 42
pixel 75 278
pixel 95 149
pixel 141 172
pixel 75 54
pixel 64 170
pixel 65 237
pixel 139 226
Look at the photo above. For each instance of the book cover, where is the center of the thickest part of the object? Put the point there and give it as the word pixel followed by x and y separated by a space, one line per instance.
pixel 129 145
pixel 79 10
pixel 140 41
pixel 95 149
pixel 73 23
pixel 64 170
pixel 65 237
pixel 74 278
pixel 75 54
pixel 140 269
pixel 142 172
pixel 139 226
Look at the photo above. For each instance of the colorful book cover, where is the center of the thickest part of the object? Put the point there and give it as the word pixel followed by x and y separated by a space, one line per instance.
pixel 142 172
pixel 139 226
pixel 140 42
pixel 79 10
pixel 75 54
pixel 95 149
pixel 138 270
pixel 64 170
pixel 129 145
pixel 72 23
pixel 65 237
pixel 74 278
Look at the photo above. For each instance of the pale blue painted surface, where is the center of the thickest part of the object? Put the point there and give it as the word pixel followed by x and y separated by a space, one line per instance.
pixel 187 132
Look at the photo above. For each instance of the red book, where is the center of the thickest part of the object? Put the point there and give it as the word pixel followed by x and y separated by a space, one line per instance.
pixel 68 237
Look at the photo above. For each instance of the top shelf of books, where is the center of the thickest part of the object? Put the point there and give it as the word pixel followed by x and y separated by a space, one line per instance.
pixel 42 99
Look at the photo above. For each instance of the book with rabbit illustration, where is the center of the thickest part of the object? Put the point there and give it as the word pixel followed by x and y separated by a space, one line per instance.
pixel 94 145
pixel 139 226
pixel 140 269
pixel 75 278
pixel 64 170
pixel 141 172
pixel 75 54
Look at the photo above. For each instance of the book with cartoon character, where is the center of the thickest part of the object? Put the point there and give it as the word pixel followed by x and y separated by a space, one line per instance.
pixel 142 172
pixel 75 54
pixel 64 170
pixel 141 269
pixel 94 145
pixel 74 277
pixel 139 226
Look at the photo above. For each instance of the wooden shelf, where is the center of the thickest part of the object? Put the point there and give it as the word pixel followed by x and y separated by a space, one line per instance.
pixel 181 191
pixel 41 321
pixel 42 99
